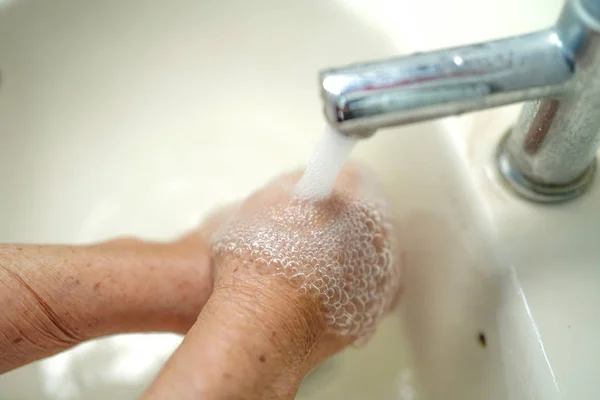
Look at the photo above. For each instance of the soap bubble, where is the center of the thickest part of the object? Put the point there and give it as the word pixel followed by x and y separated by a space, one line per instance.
pixel 341 250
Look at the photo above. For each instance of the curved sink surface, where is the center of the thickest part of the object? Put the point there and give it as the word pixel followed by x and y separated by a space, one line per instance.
pixel 139 117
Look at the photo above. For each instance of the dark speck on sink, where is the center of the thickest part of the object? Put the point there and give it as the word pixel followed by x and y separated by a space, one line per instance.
pixel 482 339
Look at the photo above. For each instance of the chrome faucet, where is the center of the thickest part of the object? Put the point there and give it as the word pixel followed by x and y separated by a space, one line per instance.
pixel 550 154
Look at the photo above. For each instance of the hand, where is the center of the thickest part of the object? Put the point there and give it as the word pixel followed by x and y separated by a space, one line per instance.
pixel 340 251
pixel 295 282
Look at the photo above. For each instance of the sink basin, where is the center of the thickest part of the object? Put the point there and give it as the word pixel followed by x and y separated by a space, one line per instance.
pixel 139 117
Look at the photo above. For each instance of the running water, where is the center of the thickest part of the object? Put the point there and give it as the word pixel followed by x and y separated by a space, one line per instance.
pixel 329 155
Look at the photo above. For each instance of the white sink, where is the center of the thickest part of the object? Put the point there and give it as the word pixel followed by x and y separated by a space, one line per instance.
pixel 139 117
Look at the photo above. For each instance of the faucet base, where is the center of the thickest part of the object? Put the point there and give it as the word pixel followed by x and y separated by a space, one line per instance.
pixel 535 191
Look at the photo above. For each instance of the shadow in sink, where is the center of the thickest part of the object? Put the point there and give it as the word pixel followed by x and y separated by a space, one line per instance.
pixel 13 387
pixel 123 366
pixel 380 370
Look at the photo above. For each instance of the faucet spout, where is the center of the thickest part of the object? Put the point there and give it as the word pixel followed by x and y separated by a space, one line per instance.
pixel 359 99
pixel 550 154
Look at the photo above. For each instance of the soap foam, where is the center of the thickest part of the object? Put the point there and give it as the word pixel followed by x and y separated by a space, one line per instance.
pixel 327 160
pixel 340 250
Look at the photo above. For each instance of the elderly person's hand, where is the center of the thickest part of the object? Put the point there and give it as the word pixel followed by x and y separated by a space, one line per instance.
pixel 295 281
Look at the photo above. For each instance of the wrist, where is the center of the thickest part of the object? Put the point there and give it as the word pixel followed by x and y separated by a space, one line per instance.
pixel 271 304
pixel 250 341
pixel 291 324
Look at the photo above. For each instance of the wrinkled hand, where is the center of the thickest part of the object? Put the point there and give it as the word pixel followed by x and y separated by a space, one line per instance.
pixel 295 281
pixel 336 256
